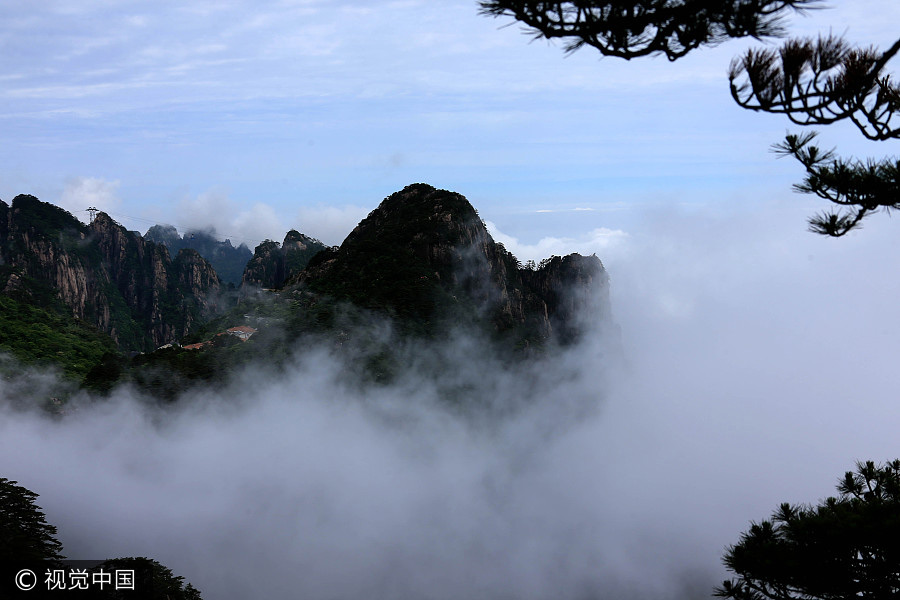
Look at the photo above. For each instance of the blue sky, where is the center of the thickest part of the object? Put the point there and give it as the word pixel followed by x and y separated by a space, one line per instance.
pixel 256 117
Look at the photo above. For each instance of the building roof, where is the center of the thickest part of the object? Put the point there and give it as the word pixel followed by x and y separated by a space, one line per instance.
pixel 241 329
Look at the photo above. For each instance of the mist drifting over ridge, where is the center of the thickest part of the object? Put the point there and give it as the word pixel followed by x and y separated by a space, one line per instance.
pixel 744 387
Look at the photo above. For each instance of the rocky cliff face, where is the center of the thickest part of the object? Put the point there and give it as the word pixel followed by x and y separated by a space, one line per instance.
pixel 272 264
pixel 47 253
pixel 4 225
pixel 104 274
pixel 195 290
pixel 166 297
pixel 575 291
pixel 424 254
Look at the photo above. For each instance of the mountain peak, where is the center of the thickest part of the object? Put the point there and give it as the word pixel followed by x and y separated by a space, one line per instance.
pixel 45 218
pixel 273 263
pixel 419 210
pixel 423 200
pixel 425 255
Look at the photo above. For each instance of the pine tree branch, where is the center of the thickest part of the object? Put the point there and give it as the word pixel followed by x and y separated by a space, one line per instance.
pixel 629 29
pixel 820 82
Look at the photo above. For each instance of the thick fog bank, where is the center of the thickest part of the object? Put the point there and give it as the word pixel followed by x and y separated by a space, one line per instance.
pixel 760 363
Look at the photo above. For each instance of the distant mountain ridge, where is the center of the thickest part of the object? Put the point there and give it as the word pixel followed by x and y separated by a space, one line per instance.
pixel 272 263
pixel 228 261
pixel 423 259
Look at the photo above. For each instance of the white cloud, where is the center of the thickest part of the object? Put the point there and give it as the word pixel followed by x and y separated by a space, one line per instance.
pixel 330 224
pixel 81 193
pixel 601 241
pixel 217 210
pixel 214 209
pixel 260 221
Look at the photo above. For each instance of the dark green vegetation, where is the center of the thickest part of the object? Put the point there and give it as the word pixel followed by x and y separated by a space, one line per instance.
pixel 40 337
pixel 153 581
pixel 28 541
pixel 845 547
pixel 25 534
pixel 228 261
pixel 812 82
